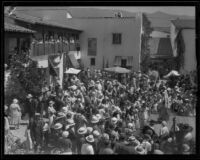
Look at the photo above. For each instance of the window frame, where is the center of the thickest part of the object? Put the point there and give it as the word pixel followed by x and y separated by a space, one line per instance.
pixel 94 62
pixel 116 40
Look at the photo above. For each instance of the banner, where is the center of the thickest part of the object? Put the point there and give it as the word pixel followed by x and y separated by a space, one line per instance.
pixel 54 61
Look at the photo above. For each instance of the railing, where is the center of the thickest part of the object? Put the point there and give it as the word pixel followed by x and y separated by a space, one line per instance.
pixel 38 49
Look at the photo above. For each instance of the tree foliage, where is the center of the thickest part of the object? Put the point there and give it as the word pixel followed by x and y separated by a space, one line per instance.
pixel 24 77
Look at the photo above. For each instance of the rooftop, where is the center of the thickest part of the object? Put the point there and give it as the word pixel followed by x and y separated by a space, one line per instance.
pixel 184 23
pixel 37 20
pixel 15 28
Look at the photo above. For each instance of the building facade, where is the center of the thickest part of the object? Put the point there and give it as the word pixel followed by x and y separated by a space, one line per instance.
pixel 183 36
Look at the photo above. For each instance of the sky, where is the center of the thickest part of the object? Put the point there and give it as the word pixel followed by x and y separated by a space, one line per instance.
pixel 189 11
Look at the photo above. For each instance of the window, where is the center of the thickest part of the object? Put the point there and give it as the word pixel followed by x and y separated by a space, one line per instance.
pixel 92 61
pixel 123 63
pixel 92 46
pixel 117 38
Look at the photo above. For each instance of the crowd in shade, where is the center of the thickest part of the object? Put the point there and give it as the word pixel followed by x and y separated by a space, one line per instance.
pixel 100 113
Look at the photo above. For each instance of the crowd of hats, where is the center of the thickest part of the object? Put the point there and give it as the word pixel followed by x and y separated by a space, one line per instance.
pixel 97 91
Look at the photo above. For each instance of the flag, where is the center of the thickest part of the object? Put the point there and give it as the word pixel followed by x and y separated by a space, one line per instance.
pixel 61 72
pixel 54 61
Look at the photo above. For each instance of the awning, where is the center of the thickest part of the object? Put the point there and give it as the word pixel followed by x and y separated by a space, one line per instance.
pixel 172 73
pixel 117 70
pixel 72 71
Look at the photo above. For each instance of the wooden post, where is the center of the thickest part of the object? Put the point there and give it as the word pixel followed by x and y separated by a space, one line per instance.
pixel 174 128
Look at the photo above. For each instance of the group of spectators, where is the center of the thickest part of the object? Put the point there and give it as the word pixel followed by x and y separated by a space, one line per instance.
pixel 95 113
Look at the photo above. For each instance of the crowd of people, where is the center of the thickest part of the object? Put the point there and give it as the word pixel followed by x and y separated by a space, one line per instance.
pixel 98 113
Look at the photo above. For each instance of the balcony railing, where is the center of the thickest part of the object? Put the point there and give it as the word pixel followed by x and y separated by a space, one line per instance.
pixel 47 48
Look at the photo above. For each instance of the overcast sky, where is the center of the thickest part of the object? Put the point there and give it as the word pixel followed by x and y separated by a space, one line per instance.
pixel 190 11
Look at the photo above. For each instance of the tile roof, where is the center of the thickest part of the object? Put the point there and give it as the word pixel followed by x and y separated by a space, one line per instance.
pixel 15 28
pixel 184 23
pixel 37 20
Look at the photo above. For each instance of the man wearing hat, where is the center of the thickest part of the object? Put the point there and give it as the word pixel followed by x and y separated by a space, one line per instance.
pixel 30 106
pixel 81 132
pixel 87 148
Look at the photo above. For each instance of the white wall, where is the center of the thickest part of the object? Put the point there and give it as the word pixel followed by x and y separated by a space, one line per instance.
pixel 190 60
pixel 102 29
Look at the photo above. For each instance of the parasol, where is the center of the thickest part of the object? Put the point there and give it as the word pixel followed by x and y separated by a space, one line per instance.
pixel 117 70
pixel 172 73
pixel 72 71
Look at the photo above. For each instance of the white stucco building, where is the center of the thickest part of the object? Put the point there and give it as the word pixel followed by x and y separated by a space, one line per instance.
pixel 183 34
pixel 108 39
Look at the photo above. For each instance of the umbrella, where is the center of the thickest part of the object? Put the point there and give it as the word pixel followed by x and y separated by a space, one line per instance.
pixel 72 71
pixel 172 73
pixel 117 70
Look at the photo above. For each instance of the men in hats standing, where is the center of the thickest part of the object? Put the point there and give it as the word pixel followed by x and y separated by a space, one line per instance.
pixel 87 148
pixel 82 131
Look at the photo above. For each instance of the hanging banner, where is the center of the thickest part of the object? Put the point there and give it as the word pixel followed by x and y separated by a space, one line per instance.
pixel 54 61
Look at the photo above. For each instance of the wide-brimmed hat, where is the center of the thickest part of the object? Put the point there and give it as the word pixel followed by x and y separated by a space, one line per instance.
pixel 98 116
pixel 58 126
pixel 37 114
pixel 82 130
pixel 60 115
pixel 90 138
pixel 70 123
pixel 131 138
pixel 74 87
pixel 29 96
pixel 45 127
pixel 96 133
pixel 185 147
pixel 114 120
pixel 65 134
pixel 94 119
pixel 105 137
pixel 140 150
pixel 51 102
pixel 89 129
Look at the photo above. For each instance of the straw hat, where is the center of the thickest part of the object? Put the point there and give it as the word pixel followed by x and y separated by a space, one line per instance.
pixel 45 127
pixel 105 137
pixel 114 120
pixel 82 130
pixel 29 96
pixel 60 115
pixel 89 129
pixel 186 147
pixel 70 123
pixel 90 138
pixel 51 102
pixel 98 116
pixel 58 126
pixel 65 134
pixel 96 133
pixel 140 150
pixel 94 119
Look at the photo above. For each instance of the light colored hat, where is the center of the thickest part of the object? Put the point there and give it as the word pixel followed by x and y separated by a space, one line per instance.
pixel 140 150
pixel 51 102
pixel 15 101
pixel 65 134
pixel 70 123
pixel 164 123
pixel 82 130
pixel 94 119
pixel 131 138
pixel 58 126
pixel 96 133
pixel 169 139
pixel 105 136
pixel 60 115
pixel 89 129
pixel 98 116
pixel 186 147
pixel 73 87
pixel 90 138
pixel 130 125
pixel 114 120
pixel 29 96
pixel 45 127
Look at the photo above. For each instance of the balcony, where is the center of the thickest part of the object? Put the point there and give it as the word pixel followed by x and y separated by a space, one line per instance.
pixel 39 48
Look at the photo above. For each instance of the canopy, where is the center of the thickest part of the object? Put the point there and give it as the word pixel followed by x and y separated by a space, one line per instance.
pixel 72 71
pixel 117 70
pixel 172 73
